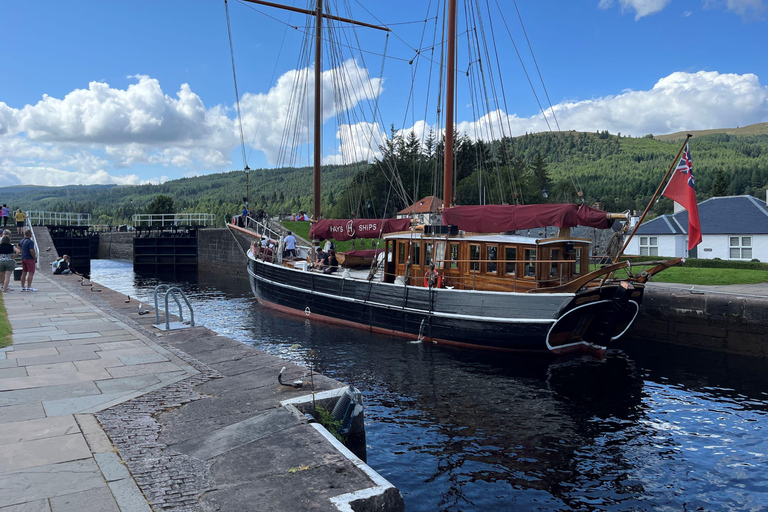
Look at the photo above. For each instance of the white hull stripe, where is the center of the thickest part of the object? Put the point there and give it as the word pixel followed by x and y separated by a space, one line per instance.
pixel 413 310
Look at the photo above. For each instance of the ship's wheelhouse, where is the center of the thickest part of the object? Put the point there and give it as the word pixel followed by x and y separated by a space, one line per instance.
pixel 486 262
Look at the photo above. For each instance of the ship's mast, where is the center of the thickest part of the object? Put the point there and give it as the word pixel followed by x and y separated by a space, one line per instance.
pixel 318 14
pixel 449 102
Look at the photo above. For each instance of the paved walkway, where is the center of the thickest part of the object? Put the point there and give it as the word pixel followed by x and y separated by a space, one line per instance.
pixel 756 290
pixel 68 360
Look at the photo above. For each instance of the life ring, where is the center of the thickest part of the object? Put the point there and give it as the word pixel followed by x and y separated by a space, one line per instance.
pixel 437 279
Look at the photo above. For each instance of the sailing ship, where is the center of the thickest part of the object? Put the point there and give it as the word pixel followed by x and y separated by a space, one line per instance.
pixel 469 282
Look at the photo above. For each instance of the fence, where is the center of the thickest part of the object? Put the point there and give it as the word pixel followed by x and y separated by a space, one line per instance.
pixel 173 219
pixel 42 218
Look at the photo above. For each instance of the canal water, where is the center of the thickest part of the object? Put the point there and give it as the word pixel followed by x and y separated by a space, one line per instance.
pixel 649 428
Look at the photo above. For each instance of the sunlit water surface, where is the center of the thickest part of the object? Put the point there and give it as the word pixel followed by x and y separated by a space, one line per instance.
pixel 649 428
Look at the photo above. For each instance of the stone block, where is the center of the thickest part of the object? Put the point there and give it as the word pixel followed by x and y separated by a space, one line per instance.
pixel 47 481
pixel 93 500
pixel 111 466
pixel 128 496
pixel 14 413
pixel 41 428
pixel 42 452
pixel 30 506
pixel 79 404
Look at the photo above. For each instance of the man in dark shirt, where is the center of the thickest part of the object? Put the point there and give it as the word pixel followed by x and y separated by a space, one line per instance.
pixel 28 260
pixel 321 259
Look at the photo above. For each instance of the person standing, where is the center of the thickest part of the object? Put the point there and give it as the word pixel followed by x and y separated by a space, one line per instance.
pixel 20 221
pixel 7 263
pixel 6 213
pixel 290 245
pixel 28 260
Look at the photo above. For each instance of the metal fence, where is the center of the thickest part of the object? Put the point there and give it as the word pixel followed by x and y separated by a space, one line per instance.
pixel 41 218
pixel 173 219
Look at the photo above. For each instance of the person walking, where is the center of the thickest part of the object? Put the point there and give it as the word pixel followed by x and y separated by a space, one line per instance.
pixel 28 260
pixel 6 212
pixel 7 263
pixel 20 217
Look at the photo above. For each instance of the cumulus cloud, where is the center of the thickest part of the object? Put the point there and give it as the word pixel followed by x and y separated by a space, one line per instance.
pixel 265 116
pixel 747 9
pixel 678 102
pixel 641 7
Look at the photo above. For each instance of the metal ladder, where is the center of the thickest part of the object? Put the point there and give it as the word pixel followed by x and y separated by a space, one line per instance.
pixel 172 292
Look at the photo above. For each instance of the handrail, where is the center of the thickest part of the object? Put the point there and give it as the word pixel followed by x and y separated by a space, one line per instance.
pixel 171 290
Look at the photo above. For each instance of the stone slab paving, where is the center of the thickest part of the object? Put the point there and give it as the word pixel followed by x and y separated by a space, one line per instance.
pixel 69 360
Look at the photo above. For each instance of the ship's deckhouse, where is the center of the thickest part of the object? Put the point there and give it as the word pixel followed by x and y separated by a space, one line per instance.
pixel 486 262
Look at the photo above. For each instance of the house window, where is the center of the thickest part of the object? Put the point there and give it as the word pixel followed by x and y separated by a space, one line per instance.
pixel 649 246
pixel 741 247
pixel 554 267
pixel 415 253
pixel 401 253
pixel 439 254
pixel 454 255
pixel 474 258
pixel 493 256
pixel 530 263
pixel 428 253
pixel 510 255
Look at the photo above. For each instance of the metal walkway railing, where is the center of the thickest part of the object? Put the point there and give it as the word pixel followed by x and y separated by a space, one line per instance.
pixel 171 291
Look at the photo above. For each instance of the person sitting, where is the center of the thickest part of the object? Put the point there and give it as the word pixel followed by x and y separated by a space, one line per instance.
pixel 62 265
pixel 321 259
pixel 333 263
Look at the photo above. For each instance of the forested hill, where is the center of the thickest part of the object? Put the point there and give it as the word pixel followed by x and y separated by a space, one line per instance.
pixel 621 172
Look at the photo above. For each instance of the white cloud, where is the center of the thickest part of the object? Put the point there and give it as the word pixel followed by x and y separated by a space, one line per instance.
pixel 747 9
pixel 680 101
pixel 357 142
pixel 265 116
pixel 641 7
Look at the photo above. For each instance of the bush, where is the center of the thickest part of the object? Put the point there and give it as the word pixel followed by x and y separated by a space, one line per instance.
pixel 702 263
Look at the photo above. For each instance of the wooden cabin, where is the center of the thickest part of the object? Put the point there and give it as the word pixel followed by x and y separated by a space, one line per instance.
pixel 487 262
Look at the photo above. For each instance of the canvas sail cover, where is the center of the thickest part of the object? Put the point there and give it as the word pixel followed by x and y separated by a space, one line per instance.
pixel 496 218
pixel 347 229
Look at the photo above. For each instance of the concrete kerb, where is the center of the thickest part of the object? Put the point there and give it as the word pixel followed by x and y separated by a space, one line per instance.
pixel 382 496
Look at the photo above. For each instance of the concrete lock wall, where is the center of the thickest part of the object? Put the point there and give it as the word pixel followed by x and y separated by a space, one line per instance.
pixel 219 253
pixel 722 322
pixel 116 246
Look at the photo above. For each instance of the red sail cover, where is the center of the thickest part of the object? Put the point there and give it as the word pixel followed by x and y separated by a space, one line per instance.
pixel 496 218
pixel 341 229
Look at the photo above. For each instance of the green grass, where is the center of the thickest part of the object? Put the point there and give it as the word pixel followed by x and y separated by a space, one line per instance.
pixel 301 228
pixel 6 338
pixel 711 276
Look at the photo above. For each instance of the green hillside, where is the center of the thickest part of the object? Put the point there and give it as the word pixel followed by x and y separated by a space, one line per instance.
pixel 621 172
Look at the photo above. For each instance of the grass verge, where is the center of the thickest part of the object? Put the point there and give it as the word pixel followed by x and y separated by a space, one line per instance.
pixel 711 276
pixel 6 332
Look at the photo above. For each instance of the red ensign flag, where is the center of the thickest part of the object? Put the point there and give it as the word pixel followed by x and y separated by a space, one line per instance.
pixel 680 189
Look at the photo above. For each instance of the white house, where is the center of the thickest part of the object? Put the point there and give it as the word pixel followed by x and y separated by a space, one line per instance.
pixel 423 211
pixel 732 228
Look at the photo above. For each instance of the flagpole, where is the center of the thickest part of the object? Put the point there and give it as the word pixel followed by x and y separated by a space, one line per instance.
pixel 650 203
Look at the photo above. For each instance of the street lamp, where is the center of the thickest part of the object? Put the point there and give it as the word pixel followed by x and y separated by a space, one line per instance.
pixel 545 192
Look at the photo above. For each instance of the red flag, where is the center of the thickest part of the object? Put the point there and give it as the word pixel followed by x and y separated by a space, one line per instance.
pixel 680 189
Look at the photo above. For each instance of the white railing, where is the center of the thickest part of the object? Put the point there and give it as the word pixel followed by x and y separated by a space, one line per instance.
pixel 42 218
pixel 174 219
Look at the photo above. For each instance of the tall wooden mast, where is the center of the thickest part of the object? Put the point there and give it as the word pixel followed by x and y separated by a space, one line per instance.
pixel 449 101
pixel 318 120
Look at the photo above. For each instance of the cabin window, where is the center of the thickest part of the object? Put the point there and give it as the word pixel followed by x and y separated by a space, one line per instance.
pixel 416 253
pixel 741 247
pixel 474 258
pixel 401 253
pixel 427 253
pixel 577 268
pixel 493 256
pixel 439 254
pixel 530 263
pixel 554 267
pixel 649 246
pixel 454 255
pixel 510 255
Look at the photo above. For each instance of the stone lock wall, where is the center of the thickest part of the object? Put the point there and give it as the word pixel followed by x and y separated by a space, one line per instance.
pixel 723 322
pixel 219 253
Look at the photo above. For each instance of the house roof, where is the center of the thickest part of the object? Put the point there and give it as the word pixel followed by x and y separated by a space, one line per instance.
pixel 730 215
pixel 429 204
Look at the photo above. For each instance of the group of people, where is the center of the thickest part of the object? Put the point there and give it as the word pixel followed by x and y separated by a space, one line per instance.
pixel 301 216
pixel 19 215
pixel 325 258
pixel 8 263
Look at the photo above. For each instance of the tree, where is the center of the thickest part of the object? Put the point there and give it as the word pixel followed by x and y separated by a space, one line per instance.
pixel 161 204
pixel 720 185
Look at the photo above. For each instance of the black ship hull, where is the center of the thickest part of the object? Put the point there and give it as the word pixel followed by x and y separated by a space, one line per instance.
pixel 550 323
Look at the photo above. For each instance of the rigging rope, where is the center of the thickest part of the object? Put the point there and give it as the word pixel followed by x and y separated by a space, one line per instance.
pixel 237 95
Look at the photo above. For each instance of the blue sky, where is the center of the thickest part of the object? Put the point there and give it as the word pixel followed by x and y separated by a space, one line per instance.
pixel 108 92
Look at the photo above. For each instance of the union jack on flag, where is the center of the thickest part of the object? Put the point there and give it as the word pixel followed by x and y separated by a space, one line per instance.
pixel 685 166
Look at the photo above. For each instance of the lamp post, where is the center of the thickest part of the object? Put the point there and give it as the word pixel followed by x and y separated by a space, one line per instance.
pixel 545 192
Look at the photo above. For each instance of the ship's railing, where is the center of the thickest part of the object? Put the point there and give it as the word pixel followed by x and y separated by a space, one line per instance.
pixel 271 244
pixel 43 218
pixel 173 219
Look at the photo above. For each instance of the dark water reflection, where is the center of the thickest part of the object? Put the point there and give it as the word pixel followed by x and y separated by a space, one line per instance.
pixel 650 427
